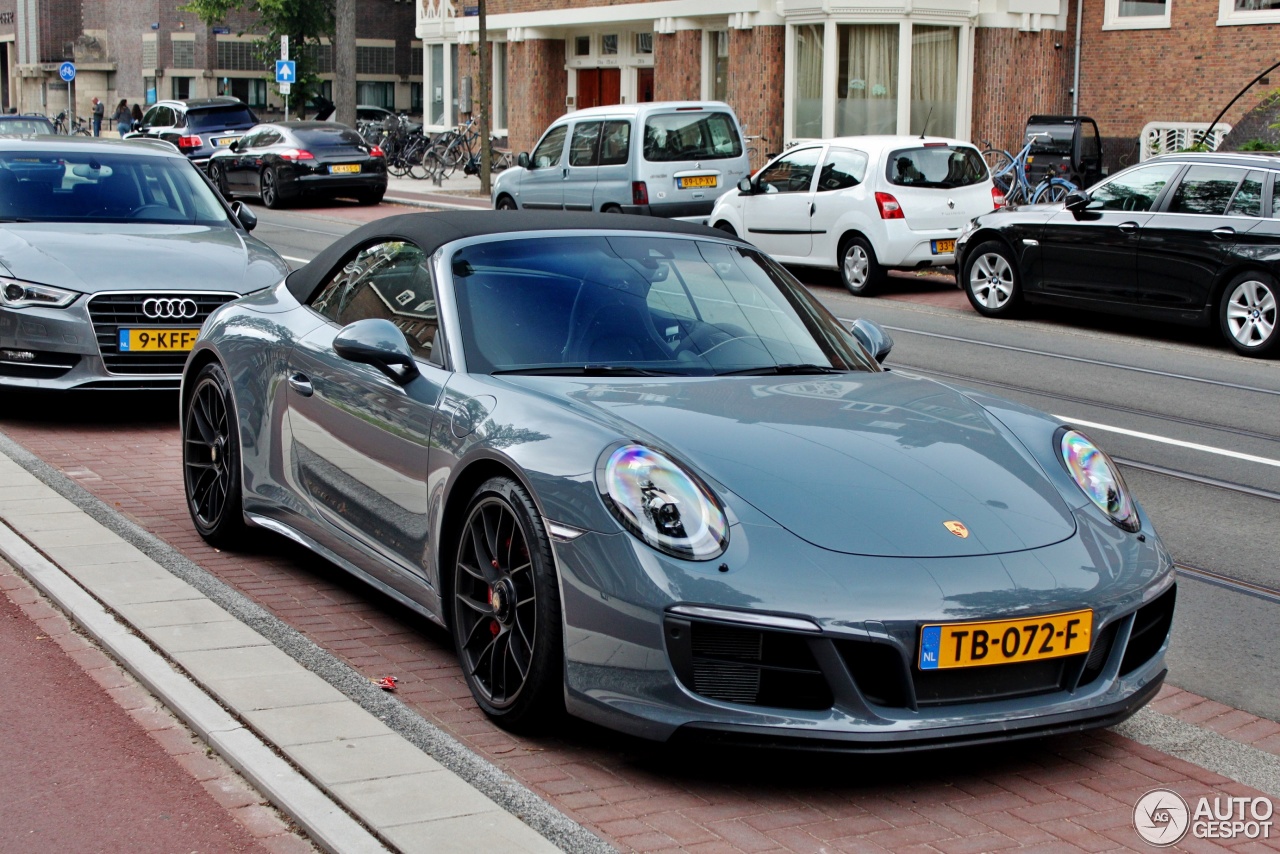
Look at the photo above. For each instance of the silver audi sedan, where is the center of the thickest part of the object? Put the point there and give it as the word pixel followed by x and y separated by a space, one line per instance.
pixel 112 254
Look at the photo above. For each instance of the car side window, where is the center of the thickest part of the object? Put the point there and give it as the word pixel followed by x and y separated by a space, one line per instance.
pixel 615 143
pixel 163 117
pixel 843 169
pixel 151 116
pixel 1135 190
pixel 1206 190
pixel 792 173
pixel 267 137
pixel 549 150
pixel 1248 198
pixel 584 145
pixel 390 280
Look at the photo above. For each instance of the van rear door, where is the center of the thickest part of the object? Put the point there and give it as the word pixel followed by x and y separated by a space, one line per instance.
pixel 692 155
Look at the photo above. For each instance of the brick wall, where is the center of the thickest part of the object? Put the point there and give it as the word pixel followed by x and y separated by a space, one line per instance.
pixel 537 88
pixel 677 66
pixel 1017 75
pixel 756 59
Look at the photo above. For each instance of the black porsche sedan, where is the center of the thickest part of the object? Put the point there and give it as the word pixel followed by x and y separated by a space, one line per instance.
pixel 284 161
pixel 1183 238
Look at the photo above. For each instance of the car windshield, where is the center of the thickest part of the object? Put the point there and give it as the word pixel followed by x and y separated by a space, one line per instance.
pixel 1051 139
pixel 217 118
pixel 693 135
pixel 641 305
pixel 936 165
pixel 25 126
pixel 104 186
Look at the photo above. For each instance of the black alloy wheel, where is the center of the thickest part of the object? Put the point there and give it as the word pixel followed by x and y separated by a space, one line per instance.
pixel 991 280
pixel 506 608
pixel 211 459
pixel 219 178
pixel 269 188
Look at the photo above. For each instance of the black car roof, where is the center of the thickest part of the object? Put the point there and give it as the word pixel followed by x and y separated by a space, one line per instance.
pixel 430 231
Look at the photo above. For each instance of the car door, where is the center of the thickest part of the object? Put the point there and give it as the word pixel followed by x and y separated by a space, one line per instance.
pixel 258 157
pixel 1184 246
pixel 839 195
pixel 542 185
pixel 777 212
pixel 1093 253
pixel 583 165
pixel 613 177
pixel 360 441
pixel 234 163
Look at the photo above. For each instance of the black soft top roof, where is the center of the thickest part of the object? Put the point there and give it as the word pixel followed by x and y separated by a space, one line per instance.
pixel 430 231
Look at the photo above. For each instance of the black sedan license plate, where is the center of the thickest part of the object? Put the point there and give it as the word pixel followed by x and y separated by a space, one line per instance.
pixel 950 645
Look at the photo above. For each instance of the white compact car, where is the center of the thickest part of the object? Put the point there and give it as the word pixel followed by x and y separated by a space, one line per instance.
pixel 862 204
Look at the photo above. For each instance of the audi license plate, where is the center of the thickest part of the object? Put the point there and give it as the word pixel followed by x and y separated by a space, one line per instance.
pixel 153 340
pixel 1005 641
pixel 344 169
pixel 944 247
pixel 696 181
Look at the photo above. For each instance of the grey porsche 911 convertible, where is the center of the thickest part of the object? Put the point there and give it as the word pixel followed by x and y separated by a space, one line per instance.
pixel 642 475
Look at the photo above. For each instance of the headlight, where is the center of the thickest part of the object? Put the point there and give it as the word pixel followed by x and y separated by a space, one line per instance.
pixel 1099 478
pixel 16 294
pixel 660 502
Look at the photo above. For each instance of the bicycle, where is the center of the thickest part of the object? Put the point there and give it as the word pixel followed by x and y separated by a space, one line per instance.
pixel 1010 176
pixel 453 148
pixel 79 127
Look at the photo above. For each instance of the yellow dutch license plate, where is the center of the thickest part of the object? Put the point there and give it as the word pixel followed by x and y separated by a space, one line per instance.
pixel 344 169
pixel 1005 641
pixel 944 247
pixel 156 340
pixel 227 140
pixel 697 181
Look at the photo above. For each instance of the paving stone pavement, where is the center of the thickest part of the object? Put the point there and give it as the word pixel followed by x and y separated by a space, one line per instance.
pixel 1063 794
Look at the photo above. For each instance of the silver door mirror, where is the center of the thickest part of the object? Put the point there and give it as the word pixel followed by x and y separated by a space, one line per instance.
pixel 378 342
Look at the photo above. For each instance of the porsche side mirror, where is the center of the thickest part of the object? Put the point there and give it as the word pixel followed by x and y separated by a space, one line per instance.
pixel 245 214
pixel 1076 201
pixel 872 336
pixel 378 342
pixel 745 186
pixel 522 160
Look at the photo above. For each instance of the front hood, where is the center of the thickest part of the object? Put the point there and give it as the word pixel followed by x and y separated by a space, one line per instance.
pixel 868 464
pixel 93 257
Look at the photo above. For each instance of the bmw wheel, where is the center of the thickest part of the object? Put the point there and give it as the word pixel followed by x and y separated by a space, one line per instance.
pixel 270 188
pixel 991 280
pixel 506 608
pixel 859 270
pixel 1248 314
pixel 211 459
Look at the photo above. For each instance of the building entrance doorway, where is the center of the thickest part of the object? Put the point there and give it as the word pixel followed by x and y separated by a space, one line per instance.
pixel 599 87
pixel 644 85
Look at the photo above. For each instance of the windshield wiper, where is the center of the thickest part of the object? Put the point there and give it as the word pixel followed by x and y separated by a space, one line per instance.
pixel 587 371
pixel 782 370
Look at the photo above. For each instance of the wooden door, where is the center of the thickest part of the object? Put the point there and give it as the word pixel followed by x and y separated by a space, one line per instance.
pixel 644 85
pixel 610 86
pixel 588 88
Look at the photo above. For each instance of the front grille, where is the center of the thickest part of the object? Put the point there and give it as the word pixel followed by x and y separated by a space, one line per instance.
pixel 1150 629
pixel 112 312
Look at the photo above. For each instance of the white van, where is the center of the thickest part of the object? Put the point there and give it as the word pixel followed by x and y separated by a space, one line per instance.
pixel 670 159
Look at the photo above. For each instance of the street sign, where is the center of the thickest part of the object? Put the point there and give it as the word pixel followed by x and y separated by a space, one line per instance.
pixel 284 47
pixel 67 71
pixel 285 88
pixel 286 71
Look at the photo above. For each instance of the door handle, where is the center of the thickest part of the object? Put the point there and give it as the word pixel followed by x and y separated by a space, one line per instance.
pixel 301 384
pixel 1224 233
pixel 1128 227
pixel 813 208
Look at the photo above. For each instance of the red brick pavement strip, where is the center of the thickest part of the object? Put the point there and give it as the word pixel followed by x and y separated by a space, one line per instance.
pixel 1069 793
pixel 61 803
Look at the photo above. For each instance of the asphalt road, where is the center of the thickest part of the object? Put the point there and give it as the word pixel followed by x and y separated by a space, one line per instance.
pixel 1194 425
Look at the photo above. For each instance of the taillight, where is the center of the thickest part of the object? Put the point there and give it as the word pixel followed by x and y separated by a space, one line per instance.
pixel 889 207
pixel 639 193
pixel 295 154
pixel 997 197
pixel 375 151
pixel 190 142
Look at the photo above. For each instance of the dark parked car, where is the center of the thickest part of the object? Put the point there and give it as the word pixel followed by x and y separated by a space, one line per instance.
pixel 642 473
pixel 30 125
pixel 111 256
pixel 284 161
pixel 199 126
pixel 1184 238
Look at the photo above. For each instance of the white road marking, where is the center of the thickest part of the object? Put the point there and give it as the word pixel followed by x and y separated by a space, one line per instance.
pixel 1164 440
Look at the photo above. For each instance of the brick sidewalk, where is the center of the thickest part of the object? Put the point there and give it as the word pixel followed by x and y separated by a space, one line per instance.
pixel 1064 794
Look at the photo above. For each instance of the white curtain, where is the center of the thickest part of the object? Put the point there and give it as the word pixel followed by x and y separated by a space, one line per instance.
pixel 935 55
pixel 807 97
pixel 867 101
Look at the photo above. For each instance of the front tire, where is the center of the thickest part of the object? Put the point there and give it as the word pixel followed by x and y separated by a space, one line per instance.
pixel 859 270
pixel 211 459
pixel 991 280
pixel 505 203
pixel 506 609
pixel 270 188
pixel 1247 314
pixel 219 178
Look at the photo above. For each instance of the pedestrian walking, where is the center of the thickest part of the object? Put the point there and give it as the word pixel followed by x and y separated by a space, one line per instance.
pixel 137 118
pixel 123 118
pixel 99 109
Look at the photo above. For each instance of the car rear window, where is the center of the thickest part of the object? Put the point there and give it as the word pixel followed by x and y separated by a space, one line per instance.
pixel 335 137
pixel 938 165
pixel 25 126
pixel 216 118
pixel 692 135
pixel 1052 139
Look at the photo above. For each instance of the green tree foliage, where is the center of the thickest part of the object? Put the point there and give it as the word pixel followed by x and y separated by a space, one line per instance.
pixel 305 22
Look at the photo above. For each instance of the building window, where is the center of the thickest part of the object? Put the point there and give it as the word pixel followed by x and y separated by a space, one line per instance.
pixel 415 98
pixel 644 44
pixel 184 53
pixel 806 98
pixel 240 56
pixel 149 87
pixel 1248 12
pixel 499 84
pixel 319 57
pixel 1136 14
pixel 376 94
pixel 149 51
pixel 372 59
pixel 415 60
pixel 609 45
pixel 582 46
pixel 867 85
pixel 181 88
pixel 251 90
pixel 435 85
pixel 720 66
pixel 935 63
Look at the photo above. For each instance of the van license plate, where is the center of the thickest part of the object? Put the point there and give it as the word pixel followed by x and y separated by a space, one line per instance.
pixel 696 181
pixel 944 247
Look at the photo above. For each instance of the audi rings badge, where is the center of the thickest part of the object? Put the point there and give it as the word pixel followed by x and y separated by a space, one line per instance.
pixel 168 308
